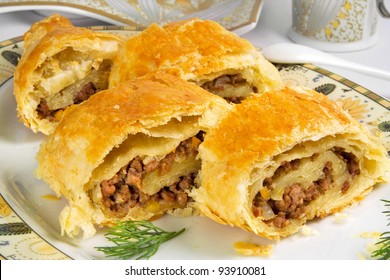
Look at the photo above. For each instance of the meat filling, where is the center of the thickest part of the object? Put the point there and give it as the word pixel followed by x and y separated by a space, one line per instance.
pixel 85 92
pixel 296 198
pixel 76 93
pixel 124 191
pixel 223 82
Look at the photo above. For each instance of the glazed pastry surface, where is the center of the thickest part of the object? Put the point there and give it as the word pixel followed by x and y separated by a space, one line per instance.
pixel 61 65
pixel 283 158
pixel 129 153
pixel 199 51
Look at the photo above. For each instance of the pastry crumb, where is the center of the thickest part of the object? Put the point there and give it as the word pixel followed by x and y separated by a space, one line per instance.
pixel 308 231
pixel 251 249
pixel 368 251
pixel 369 234
pixel 370 247
pixel 50 197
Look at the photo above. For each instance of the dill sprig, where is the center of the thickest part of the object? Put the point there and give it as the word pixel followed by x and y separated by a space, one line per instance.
pixel 135 239
pixel 383 253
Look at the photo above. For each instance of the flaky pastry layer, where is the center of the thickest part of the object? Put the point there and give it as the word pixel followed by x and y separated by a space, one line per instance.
pixel 128 153
pixel 199 51
pixel 283 158
pixel 61 65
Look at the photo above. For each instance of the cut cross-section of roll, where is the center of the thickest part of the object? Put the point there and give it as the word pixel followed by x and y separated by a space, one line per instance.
pixel 61 65
pixel 285 157
pixel 129 153
pixel 199 51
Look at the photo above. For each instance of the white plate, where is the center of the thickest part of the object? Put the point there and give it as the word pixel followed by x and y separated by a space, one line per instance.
pixel 29 226
pixel 239 16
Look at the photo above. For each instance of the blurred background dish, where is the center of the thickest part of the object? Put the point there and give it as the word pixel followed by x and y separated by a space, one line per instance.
pixel 239 16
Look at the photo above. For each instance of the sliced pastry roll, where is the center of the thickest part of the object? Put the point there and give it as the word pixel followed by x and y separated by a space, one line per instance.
pixel 128 153
pixel 283 158
pixel 61 65
pixel 199 51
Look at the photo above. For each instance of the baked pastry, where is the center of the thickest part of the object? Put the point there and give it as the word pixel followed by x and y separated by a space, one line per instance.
pixel 199 51
pixel 128 153
pixel 61 65
pixel 282 158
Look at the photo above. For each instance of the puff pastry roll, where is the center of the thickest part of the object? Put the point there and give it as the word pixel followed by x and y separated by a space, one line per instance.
pixel 199 51
pixel 283 158
pixel 61 65
pixel 128 153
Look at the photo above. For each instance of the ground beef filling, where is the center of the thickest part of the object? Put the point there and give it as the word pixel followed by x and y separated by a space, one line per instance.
pixel 77 92
pixel 44 112
pixel 220 83
pixel 296 198
pixel 123 191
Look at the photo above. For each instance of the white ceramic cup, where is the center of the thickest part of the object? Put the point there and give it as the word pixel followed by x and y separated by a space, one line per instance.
pixel 336 25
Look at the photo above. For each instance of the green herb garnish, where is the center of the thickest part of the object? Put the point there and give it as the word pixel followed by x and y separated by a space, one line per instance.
pixel 132 239
pixel 383 253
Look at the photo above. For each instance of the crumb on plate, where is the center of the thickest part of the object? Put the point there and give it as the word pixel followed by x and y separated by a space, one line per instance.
pixel 50 197
pixel 251 249
pixel 369 234
pixel 308 231
pixel 370 247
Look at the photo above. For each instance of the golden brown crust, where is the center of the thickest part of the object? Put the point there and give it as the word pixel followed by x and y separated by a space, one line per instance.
pixel 42 42
pixel 194 50
pixel 110 116
pixel 88 135
pixel 265 131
